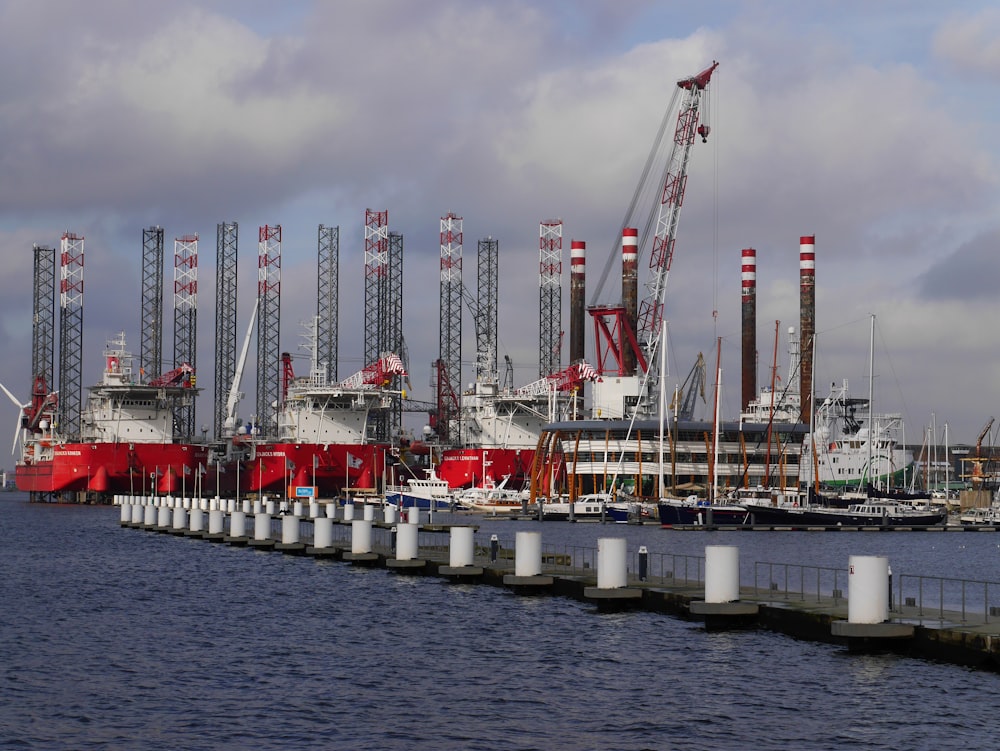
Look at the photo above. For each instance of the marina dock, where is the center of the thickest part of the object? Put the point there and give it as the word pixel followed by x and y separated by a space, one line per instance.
pixel 950 620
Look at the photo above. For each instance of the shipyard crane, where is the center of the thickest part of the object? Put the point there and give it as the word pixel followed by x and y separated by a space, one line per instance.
pixel 671 197
pixel 376 375
pixel 978 475
pixel 182 375
pixel 567 379
pixel 234 391
pixel 691 389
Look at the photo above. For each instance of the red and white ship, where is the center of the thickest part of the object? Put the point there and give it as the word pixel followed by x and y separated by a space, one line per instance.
pixel 323 434
pixel 500 428
pixel 126 442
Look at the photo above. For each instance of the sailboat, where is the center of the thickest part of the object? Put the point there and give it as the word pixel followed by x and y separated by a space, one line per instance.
pixel 715 509
pixel 865 447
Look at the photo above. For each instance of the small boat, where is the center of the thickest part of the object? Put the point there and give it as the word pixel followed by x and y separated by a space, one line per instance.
pixel 698 511
pixel 430 492
pixel 984 516
pixel 590 506
pixel 490 498
pixel 625 511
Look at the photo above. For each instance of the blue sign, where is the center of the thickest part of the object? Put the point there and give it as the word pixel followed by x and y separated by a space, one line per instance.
pixel 305 491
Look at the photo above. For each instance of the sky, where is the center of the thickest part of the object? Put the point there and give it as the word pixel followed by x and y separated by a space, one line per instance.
pixel 869 125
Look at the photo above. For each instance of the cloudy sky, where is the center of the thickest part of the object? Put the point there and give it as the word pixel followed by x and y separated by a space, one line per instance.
pixel 871 125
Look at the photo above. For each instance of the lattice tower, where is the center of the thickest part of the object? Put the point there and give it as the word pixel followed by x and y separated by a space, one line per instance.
pixel 70 334
pixel 327 303
pixel 549 296
pixel 43 316
pixel 487 258
pixel 151 326
pixel 226 244
pixel 376 278
pixel 268 328
pixel 450 331
pixel 393 332
pixel 185 324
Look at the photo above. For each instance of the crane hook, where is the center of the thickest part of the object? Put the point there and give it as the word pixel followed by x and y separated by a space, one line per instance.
pixel 703 131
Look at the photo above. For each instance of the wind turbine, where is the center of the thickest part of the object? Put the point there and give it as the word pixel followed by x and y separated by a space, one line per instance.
pixel 21 408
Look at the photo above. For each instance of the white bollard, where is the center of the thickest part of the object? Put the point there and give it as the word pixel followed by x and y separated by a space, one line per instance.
pixel 216 519
pixel 369 512
pixel 722 573
pixel 331 510
pixel 126 513
pixel 413 515
pixel 462 551
pixel 349 511
pixel 389 512
pixel 203 504
pixel 231 505
pixel 137 513
pixel 247 507
pixel 258 507
pixel 313 509
pixel 361 536
pixel 528 554
pixel 868 589
pixel 322 532
pixel 163 517
pixel 261 526
pixel 187 504
pixel 196 521
pixel 180 517
pixel 612 562
pixel 149 515
pixel 289 529
pixel 407 546
pixel 238 524
pixel 269 508
pixel 297 508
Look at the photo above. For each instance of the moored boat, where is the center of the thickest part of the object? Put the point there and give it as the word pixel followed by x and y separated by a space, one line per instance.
pixel 867 514
pixel 422 492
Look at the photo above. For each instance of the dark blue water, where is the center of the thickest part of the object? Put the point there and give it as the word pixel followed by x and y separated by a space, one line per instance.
pixel 117 638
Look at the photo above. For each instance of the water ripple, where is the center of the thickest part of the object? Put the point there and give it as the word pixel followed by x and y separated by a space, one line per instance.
pixel 120 639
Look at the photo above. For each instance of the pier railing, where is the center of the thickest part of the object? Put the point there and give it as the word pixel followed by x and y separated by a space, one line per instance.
pixel 799 582
pixel 946 599
pixel 966 601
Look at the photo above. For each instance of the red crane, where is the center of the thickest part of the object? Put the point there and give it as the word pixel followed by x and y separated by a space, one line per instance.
pixel 613 330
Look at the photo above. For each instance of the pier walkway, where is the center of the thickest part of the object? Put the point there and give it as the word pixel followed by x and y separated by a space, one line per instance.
pixel 951 620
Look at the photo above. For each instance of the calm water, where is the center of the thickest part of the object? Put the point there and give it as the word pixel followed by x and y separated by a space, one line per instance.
pixel 117 638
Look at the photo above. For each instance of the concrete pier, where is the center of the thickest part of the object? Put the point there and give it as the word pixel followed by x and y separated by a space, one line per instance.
pixel 910 628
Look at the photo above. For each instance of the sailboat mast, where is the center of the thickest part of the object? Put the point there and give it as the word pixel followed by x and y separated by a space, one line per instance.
pixel 715 423
pixel 871 390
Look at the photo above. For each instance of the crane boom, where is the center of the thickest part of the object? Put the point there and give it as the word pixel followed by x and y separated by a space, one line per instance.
pixel 671 199
pixel 234 390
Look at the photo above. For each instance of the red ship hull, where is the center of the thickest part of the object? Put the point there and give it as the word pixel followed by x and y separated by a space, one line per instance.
pixel 331 468
pixel 465 468
pixel 109 468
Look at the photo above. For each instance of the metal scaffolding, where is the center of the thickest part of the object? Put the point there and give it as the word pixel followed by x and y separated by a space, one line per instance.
pixel 268 328
pixel 70 334
pixel 549 296
pixel 450 332
pixel 392 340
pixel 226 243
pixel 327 302
pixel 487 258
pixel 151 326
pixel 185 324
pixel 376 273
pixel 43 317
